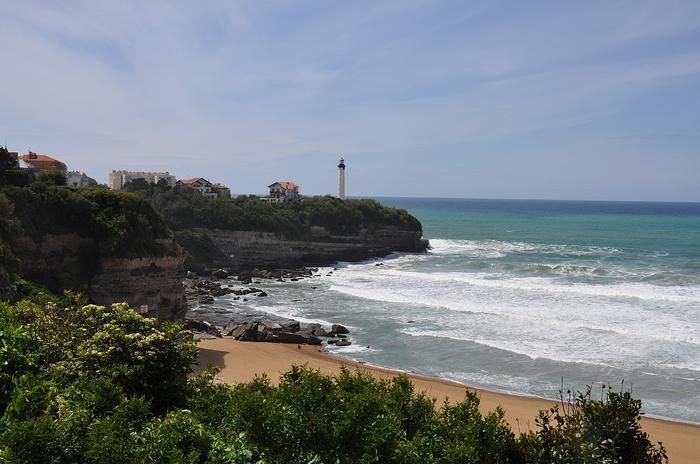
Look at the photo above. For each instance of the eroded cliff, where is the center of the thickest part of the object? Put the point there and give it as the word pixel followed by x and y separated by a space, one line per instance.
pixel 150 284
pixel 236 250
pixel 110 246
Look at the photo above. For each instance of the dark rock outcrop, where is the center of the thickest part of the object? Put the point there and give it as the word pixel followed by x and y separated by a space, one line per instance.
pixel 339 329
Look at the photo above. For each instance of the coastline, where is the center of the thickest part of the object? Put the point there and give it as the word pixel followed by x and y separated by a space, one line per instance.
pixel 240 362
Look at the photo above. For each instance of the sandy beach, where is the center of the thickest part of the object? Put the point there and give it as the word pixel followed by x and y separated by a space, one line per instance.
pixel 242 361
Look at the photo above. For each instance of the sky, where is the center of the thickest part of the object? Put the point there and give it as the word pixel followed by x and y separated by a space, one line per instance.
pixel 494 99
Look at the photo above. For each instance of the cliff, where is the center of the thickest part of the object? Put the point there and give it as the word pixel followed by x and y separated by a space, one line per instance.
pixel 112 247
pixel 150 284
pixel 245 232
pixel 238 249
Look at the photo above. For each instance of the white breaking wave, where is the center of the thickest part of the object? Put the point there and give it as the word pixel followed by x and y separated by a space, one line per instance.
pixel 499 249
pixel 619 324
pixel 289 312
pixel 633 290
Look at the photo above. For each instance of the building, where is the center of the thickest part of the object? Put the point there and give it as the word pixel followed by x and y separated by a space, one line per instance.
pixel 282 191
pixel 14 171
pixel 341 179
pixel 11 161
pixel 206 188
pixel 117 179
pixel 200 184
pixel 42 162
pixel 221 190
pixel 80 179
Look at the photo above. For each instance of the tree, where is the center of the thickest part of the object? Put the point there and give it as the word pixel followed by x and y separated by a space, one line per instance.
pixel 51 177
pixel 9 228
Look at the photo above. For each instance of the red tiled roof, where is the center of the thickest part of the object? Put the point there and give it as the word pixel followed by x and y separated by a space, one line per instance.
pixel 191 181
pixel 285 185
pixel 42 161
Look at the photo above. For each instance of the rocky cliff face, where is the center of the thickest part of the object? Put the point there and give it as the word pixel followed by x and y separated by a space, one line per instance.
pixel 151 285
pixel 246 249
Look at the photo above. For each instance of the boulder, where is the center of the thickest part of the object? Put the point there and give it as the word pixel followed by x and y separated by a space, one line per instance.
pixel 313 341
pixel 206 299
pixel 220 291
pixel 199 326
pixel 286 337
pixel 262 294
pixel 339 329
pixel 228 330
pixel 291 326
pixel 220 274
pixel 246 332
pixel 320 332
pixel 271 326
pixel 314 330
pixel 343 343
pixel 313 326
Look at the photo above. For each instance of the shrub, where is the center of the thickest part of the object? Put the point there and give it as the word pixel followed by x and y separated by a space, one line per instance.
pixel 51 177
pixel 105 385
pixel 593 431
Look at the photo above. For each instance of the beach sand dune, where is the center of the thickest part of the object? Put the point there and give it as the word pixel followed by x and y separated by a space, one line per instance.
pixel 242 361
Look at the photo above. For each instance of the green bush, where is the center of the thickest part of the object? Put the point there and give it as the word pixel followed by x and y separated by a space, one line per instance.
pixel 593 431
pixel 51 177
pixel 104 385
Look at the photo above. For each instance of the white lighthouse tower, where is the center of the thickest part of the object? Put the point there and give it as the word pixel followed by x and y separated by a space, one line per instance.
pixel 341 179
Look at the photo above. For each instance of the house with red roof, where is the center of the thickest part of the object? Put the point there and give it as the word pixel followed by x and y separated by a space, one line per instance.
pixel 42 162
pixel 204 187
pixel 282 191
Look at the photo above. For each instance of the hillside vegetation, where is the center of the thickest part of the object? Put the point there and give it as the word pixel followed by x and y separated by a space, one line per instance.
pixel 122 224
pixel 186 209
pixel 89 384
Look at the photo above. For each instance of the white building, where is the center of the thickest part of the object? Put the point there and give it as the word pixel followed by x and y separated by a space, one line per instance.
pixel 117 179
pixel 79 179
pixel 281 192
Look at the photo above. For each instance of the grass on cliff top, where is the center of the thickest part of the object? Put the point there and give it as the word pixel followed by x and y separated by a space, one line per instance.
pixel 100 384
pixel 187 209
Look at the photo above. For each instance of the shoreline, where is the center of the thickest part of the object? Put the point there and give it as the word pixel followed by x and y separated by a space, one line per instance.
pixel 240 362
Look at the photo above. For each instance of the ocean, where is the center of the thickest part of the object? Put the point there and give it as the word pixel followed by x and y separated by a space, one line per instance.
pixel 515 295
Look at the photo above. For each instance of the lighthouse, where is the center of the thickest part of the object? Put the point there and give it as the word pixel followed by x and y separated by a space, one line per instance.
pixel 341 179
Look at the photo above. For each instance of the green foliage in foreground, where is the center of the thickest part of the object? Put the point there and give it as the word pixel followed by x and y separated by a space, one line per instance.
pixel 104 385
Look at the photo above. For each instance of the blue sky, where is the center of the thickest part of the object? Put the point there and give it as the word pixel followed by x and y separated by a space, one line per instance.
pixel 494 99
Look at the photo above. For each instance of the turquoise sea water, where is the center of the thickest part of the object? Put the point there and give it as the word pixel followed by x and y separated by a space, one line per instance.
pixel 514 295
